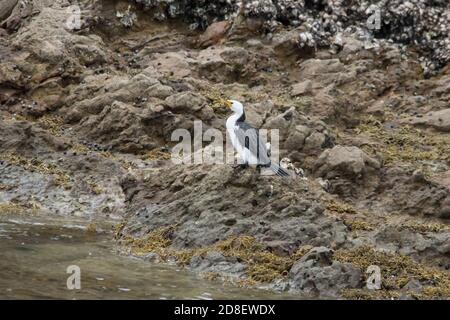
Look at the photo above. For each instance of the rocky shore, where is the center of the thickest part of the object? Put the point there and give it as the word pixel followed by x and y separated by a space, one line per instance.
pixel 87 113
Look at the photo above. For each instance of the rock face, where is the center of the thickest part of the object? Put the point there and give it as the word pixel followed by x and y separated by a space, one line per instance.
pixel 322 23
pixel 87 118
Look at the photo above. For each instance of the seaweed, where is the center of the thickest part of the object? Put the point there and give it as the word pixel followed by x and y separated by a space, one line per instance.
pixel 396 270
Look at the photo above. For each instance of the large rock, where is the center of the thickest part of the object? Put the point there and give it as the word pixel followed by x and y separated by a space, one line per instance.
pixel 196 199
pixel 342 161
pixel 6 7
pixel 316 273
pixel 439 120
pixel 230 64
pixel 301 88
pixel 119 126
pixel 187 101
pixel 173 64
pixel 215 33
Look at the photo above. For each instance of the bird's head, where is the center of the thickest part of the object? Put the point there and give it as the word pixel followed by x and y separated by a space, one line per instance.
pixel 235 106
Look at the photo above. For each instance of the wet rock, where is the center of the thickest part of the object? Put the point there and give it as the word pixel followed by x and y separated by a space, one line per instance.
pixel 424 242
pixel 20 136
pixel 152 257
pixel 321 256
pixel 443 179
pixel 215 262
pixel 109 89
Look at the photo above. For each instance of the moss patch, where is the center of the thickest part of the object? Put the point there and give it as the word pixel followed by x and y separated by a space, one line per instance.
pixel 405 144
pixel 341 208
pixel 95 188
pixel 91 228
pixel 51 123
pixel 358 225
pixel 11 208
pixel 425 227
pixel 35 165
pixel 396 270
pixel 262 265
pixel 217 101
pixel 156 154
pixel 79 148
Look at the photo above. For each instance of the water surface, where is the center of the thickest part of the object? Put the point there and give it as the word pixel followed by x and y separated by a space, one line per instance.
pixel 35 254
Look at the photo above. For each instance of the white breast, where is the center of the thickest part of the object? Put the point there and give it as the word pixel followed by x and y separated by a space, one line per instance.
pixel 244 154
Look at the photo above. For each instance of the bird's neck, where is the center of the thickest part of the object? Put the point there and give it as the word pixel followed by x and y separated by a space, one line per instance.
pixel 235 118
pixel 240 116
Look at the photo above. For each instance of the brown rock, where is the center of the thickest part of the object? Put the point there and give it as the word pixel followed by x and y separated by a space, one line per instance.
pixel 439 120
pixel 346 161
pixel 6 7
pixel 213 34
pixel 301 88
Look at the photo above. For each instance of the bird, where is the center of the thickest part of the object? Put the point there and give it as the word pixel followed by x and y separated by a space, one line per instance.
pixel 247 141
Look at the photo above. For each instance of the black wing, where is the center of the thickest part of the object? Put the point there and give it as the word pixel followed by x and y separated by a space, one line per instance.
pixel 249 137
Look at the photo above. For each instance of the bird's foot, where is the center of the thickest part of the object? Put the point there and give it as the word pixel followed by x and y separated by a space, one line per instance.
pixel 241 166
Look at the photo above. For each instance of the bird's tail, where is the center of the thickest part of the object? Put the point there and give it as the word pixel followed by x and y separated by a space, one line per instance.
pixel 279 171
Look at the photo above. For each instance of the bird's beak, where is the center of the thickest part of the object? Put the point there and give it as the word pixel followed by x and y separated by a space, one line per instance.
pixel 228 103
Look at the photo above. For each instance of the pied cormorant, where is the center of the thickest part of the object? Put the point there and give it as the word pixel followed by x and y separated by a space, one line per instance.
pixel 247 142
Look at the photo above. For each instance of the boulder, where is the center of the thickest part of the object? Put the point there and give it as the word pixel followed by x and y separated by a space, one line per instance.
pixel 301 88
pixel 6 7
pixel 439 120
pixel 188 101
pixel 316 274
pixel 344 161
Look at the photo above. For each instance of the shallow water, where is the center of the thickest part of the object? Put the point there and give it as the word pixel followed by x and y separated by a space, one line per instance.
pixel 35 254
